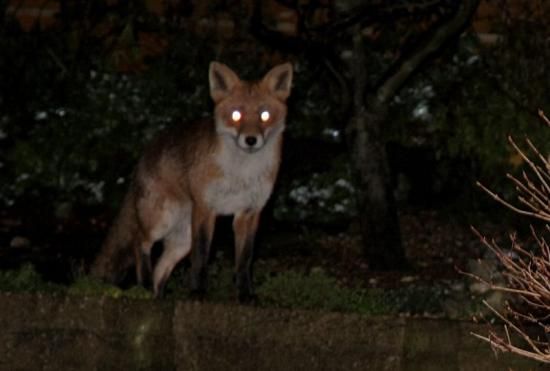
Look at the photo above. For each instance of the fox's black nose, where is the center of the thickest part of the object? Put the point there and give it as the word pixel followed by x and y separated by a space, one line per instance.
pixel 250 141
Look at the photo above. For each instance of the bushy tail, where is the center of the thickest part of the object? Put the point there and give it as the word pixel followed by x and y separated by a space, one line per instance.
pixel 117 253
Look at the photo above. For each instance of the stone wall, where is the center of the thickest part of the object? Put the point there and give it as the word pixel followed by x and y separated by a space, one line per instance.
pixel 41 332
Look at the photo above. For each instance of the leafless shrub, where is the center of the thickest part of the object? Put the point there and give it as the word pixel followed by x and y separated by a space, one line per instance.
pixel 526 273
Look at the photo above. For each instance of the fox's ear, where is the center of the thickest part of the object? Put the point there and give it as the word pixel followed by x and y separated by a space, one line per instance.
pixel 222 80
pixel 279 80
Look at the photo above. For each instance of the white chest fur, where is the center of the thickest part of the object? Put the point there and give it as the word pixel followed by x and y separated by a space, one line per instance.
pixel 247 179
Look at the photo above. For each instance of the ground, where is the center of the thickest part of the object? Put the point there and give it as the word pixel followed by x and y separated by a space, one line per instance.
pixel 435 246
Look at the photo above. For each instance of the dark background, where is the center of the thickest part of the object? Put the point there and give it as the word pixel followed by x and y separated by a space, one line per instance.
pixel 85 84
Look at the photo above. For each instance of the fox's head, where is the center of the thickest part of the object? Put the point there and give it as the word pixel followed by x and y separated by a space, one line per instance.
pixel 252 113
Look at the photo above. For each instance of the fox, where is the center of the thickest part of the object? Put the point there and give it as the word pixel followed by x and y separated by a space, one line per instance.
pixel 190 174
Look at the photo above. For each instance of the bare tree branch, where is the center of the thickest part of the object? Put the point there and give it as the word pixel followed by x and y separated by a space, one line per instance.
pixel 367 14
pixel 408 64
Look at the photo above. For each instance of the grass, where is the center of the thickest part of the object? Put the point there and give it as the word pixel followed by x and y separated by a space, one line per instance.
pixel 27 279
pixel 317 290
pixel 288 289
pixel 291 289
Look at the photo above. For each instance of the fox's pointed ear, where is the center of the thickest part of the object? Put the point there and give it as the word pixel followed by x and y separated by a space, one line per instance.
pixel 279 80
pixel 222 80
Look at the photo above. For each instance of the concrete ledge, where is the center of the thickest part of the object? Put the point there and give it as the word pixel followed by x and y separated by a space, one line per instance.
pixel 80 333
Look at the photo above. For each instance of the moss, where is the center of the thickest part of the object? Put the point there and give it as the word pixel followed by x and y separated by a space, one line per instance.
pixel 317 290
pixel 26 279
pixel 86 285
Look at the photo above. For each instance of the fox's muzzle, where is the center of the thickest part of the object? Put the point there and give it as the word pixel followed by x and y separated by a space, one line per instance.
pixel 250 142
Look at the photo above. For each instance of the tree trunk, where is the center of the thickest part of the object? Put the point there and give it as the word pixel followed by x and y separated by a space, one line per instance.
pixel 376 206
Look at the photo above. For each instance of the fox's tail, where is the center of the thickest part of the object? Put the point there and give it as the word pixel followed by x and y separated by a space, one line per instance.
pixel 117 253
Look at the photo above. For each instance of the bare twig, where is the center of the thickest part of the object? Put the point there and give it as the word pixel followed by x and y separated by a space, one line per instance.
pixel 509 205
pixel 543 117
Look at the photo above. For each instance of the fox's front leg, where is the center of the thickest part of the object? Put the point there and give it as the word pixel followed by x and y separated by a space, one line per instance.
pixel 202 229
pixel 245 226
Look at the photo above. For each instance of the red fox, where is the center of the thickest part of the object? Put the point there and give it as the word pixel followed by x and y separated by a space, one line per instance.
pixel 192 173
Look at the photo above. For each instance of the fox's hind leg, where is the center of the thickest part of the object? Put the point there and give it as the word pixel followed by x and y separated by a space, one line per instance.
pixel 158 216
pixel 177 245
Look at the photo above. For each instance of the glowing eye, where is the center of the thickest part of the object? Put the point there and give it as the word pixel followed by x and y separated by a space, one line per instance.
pixel 264 116
pixel 236 115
